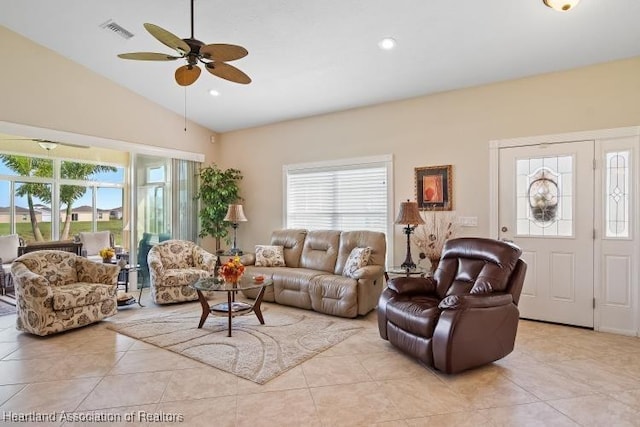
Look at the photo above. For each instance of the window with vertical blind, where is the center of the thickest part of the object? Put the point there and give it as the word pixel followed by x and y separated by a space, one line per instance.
pixel 344 195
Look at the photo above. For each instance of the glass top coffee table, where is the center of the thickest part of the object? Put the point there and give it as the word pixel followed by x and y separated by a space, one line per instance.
pixel 231 308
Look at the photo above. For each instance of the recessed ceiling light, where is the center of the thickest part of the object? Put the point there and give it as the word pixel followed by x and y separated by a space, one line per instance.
pixel 387 43
pixel 214 92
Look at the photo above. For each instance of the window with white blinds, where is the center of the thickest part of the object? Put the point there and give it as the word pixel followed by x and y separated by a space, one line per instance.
pixel 351 196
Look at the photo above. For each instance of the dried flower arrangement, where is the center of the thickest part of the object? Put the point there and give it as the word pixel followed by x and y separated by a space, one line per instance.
pixel 429 237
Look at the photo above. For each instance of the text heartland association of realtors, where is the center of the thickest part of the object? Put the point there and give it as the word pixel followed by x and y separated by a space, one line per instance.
pixel 91 417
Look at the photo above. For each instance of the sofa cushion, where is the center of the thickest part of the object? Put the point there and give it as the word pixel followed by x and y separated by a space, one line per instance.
pixel 335 295
pixel 361 239
pixel 9 247
pixel 292 240
pixel 291 286
pixel 415 314
pixel 80 294
pixel 320 250
pixel 270 256
pixel 358 258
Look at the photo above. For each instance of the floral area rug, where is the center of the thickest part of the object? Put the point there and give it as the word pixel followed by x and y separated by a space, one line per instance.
pixel 256 352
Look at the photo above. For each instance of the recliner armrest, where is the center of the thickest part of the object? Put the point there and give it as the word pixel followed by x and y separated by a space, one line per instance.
pixel 457 302
pixel 248 259
pixel 412 285
pixel 368 272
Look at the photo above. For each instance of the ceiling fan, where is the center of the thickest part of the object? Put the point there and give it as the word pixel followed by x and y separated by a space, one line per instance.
pixel 214 57
pixel 46 144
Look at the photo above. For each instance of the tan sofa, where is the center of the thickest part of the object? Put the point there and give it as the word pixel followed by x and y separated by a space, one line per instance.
pixel 313 276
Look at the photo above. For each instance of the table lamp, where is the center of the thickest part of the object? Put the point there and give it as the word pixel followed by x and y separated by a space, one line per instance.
pixel 409 214
pixel 235 214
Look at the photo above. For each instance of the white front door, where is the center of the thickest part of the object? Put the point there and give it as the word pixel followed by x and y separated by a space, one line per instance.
pixel 546 206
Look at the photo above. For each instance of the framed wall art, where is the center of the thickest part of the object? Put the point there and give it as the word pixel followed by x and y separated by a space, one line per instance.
pixel 434 188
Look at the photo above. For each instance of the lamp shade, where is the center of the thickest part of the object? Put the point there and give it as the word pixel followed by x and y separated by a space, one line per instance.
pixel 561 5
pixel 235 214
pixel 409 214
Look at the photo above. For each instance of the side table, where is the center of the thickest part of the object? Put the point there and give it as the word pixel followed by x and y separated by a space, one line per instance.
pixel 403 271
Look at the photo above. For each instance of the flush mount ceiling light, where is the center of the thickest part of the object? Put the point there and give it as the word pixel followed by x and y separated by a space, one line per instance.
pixel 214 92
pixel 387 43
pixel 47 145
pixel 561 5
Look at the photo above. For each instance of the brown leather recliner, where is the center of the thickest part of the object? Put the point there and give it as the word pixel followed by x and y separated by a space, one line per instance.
pixel 466 315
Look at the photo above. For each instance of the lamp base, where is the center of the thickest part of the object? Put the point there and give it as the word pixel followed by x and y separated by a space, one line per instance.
pixel 408 265
pixel 408 262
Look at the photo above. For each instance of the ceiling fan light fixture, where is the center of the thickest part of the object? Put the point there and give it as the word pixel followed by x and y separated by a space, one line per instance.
pixel 387 43
pixel 47 145
pixel 561 5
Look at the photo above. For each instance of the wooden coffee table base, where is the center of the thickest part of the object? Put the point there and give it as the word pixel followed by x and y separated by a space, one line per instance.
pixel 231 308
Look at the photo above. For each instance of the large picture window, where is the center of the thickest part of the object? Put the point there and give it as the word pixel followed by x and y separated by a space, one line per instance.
pixel 343 195
pixel 64 193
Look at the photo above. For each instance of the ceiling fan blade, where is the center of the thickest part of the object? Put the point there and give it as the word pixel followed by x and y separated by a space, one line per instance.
pixel 223 52
pixel 227 72
pixel 168 39
pixel 148 56
pixel 187 74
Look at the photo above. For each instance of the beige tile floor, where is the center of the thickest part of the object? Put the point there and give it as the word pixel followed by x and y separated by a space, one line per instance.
pixel 557 376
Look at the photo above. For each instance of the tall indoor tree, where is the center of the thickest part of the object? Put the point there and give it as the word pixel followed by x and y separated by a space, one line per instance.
pixel 218 189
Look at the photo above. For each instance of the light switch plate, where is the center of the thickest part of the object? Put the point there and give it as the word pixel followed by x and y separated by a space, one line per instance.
pixel 468 221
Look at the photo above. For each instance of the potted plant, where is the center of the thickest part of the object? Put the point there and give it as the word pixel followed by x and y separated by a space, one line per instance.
pixel 218 189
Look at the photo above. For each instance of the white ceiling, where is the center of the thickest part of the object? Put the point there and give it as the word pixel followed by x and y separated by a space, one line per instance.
pixel 311 57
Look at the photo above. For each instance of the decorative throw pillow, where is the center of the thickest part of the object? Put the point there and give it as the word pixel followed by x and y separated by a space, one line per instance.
pixel 269 256
pixel 9 248
pixel 358 258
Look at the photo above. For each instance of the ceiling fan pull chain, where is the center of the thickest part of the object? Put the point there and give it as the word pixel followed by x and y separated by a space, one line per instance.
pixel 185 106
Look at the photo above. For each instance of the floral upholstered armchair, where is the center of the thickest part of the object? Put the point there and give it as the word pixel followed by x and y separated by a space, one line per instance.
pixel 173 266
pixel 57 290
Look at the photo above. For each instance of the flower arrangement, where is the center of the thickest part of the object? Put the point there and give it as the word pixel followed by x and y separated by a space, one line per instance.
pixel 107 253
pixel 430 236
pixel 232 270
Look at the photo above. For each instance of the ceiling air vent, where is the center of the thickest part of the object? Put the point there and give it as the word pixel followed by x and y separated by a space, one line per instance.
pixel 117 29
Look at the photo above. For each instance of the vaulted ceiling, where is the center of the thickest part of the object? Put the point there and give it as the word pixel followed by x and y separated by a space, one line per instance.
pixel 313 57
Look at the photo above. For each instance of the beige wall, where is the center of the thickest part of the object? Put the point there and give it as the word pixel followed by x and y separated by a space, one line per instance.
pixel 449 128
pixel 42 89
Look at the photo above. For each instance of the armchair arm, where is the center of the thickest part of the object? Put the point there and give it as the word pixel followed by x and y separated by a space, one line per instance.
pixel 97 272
pixel 412 285
pixel 479 330
pixel 248 259
pixel 461 302
pixel 371 272
pixel 155 264
pixel 25 278
pixel 203 259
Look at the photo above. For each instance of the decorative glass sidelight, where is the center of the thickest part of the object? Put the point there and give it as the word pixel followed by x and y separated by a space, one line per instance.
pixel 617 194
pixel 544 188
